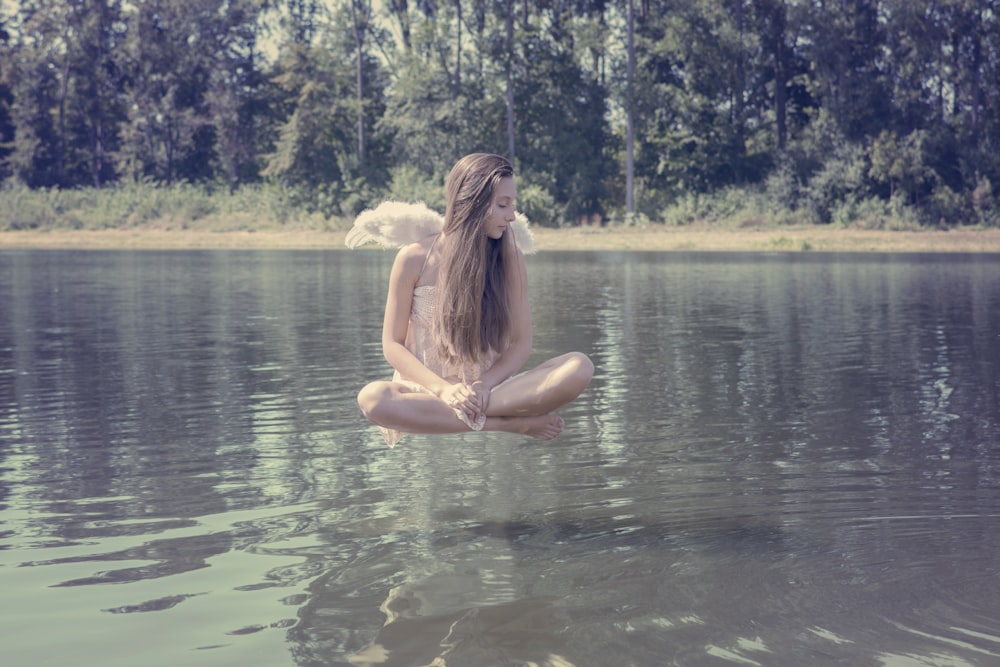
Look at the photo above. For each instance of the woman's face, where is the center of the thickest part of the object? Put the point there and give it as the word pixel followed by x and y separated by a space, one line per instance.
pixel 502 209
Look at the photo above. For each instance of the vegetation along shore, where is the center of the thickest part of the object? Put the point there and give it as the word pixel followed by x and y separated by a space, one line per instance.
pixel 188 217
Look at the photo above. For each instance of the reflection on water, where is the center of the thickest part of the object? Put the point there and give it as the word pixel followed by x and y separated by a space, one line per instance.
pixel 782 460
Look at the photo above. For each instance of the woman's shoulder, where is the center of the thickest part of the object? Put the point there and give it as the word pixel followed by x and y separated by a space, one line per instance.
pixel 412 257
pixel 418 249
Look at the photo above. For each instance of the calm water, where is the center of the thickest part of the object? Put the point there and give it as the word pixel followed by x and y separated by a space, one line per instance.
pixel 785 460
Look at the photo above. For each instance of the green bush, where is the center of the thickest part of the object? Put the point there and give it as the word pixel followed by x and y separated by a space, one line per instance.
pixel 782 187
pixel 985 207
pixel 22 208
pixel 732 207
pixel 836 194
pixel 946 208
pixel 683 211
pixel 408 183
pixel 840 180
pixel 538 205
pixel 138 204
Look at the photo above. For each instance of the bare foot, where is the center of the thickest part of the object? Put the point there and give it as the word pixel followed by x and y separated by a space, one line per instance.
pixel 544 427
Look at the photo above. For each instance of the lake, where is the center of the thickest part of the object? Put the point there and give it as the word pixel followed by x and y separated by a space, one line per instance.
pixel 783 460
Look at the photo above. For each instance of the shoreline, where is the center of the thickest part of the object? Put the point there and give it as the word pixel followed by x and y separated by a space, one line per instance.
pixel 660 238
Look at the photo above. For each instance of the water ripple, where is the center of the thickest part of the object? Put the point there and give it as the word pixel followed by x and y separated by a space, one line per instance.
pixel 780 462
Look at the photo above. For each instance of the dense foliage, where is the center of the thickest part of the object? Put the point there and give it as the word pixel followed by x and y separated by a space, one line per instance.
pixel 827 110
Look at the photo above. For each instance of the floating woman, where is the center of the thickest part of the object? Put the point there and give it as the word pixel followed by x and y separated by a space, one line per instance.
pixel 457 325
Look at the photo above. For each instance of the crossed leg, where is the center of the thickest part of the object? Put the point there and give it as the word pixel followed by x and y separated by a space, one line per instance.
pixel 523 404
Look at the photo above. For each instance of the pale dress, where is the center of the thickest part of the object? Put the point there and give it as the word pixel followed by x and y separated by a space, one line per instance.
pixel 420 342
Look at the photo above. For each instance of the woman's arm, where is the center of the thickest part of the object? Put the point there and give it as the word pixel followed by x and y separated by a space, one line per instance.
pixel 402 281
pixel 519 349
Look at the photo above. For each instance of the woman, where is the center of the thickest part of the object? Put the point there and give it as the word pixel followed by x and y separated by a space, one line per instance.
pixel 457 324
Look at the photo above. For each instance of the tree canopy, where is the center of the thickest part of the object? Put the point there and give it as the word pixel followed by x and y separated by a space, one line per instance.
pixel 602 104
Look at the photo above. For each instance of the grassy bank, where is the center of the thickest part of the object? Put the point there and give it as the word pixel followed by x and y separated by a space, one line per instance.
pixel 149 217
pixel 652 237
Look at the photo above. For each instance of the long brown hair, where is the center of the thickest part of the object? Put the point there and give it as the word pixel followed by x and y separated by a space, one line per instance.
pixel 473 312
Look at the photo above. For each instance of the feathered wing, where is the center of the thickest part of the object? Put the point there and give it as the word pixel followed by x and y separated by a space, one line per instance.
pixel 522 235
pixel 393 224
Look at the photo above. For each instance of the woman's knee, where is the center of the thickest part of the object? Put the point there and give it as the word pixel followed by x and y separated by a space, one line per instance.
pixel 580 369
pixel 373 397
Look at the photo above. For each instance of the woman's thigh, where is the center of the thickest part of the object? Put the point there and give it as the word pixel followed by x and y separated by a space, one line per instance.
pixel 540 390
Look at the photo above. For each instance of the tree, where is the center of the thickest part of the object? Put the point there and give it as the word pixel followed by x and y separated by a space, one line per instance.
pixel 603 105
pixel 6 99
pixel 509 77
pixel 846 42
pixel 701 107
pixel 772 16
pixel 441 100
pixel 300 24
pixel 317 144
pixel 97 73
pixel 899 163
pixel 361 15
pixel 630 111
pixel 168 134
pixel 233 96
pixel 312 139
pixel 38 72
pixel 562 120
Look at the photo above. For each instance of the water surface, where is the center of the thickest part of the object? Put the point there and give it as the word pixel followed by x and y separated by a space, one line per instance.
pixel 782 460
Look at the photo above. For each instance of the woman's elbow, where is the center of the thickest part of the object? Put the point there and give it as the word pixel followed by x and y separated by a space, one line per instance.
pixel 522 347
pixel 389 348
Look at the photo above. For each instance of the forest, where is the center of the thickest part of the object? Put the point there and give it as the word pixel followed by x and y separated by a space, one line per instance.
pixel 853 112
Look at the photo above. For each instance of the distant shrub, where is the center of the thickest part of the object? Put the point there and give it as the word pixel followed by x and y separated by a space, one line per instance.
pixel 732 207
pixel 411 184
pixel 946 208
pixel 985 206
pixel 139 204
pixel 538 205
pixel 839 181
pixel 24 209
pixel 783 188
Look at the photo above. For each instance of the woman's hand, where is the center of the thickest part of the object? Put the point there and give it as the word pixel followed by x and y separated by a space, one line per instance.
pixel 481 396
pixel 461 396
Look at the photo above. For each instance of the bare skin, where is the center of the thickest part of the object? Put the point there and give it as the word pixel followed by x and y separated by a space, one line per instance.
pixel 521 405
pixel 511 403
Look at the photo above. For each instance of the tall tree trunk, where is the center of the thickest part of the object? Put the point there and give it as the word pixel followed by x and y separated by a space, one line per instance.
pixel 956 65
pixel 510 80
pixel 740 84
pixel 977 64
pixel 62 95
pixel 360 21
pixel 456 85
pixel 630 115
pixel 779 27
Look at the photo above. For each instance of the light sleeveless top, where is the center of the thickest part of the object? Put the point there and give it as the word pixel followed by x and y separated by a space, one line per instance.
pixel 420 342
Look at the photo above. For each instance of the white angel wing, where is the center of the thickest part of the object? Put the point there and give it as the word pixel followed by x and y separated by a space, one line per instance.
pixel 522 235
pixel 393 224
